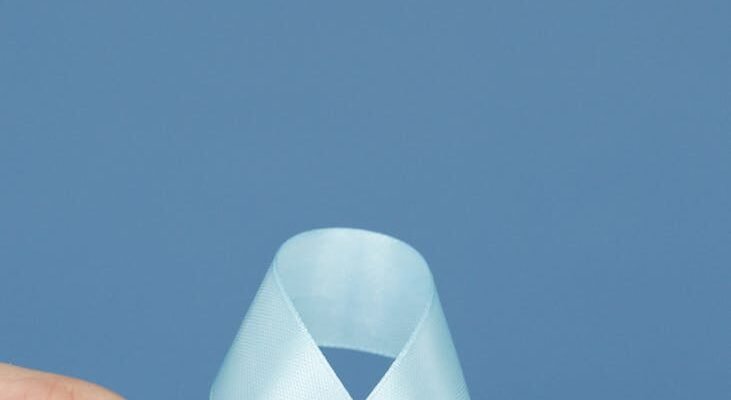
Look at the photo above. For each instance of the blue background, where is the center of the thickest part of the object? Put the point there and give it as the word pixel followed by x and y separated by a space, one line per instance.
pixel 564 167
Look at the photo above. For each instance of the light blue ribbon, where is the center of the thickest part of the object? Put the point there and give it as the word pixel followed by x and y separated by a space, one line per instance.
pixel 350 289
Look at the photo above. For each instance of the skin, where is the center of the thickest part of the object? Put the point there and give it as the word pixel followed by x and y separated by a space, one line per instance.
pixel 18 383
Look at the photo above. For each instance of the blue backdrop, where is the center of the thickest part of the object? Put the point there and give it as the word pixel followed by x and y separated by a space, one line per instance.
pixel 564 167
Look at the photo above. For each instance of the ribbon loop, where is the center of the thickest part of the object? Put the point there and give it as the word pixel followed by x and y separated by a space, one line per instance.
pixel 344 288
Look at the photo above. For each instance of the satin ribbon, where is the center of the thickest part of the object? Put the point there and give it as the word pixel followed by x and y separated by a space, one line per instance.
pixel 343 288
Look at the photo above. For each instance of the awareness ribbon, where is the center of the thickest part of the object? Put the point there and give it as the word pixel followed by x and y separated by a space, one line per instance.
pixel 350 289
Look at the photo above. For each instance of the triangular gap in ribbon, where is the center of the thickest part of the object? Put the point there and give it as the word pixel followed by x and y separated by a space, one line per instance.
pixel 358 371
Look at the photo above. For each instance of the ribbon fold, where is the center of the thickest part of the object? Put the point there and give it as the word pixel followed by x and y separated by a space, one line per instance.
pixel 343 288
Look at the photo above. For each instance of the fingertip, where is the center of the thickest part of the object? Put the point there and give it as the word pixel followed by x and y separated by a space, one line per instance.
pixel 23 383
